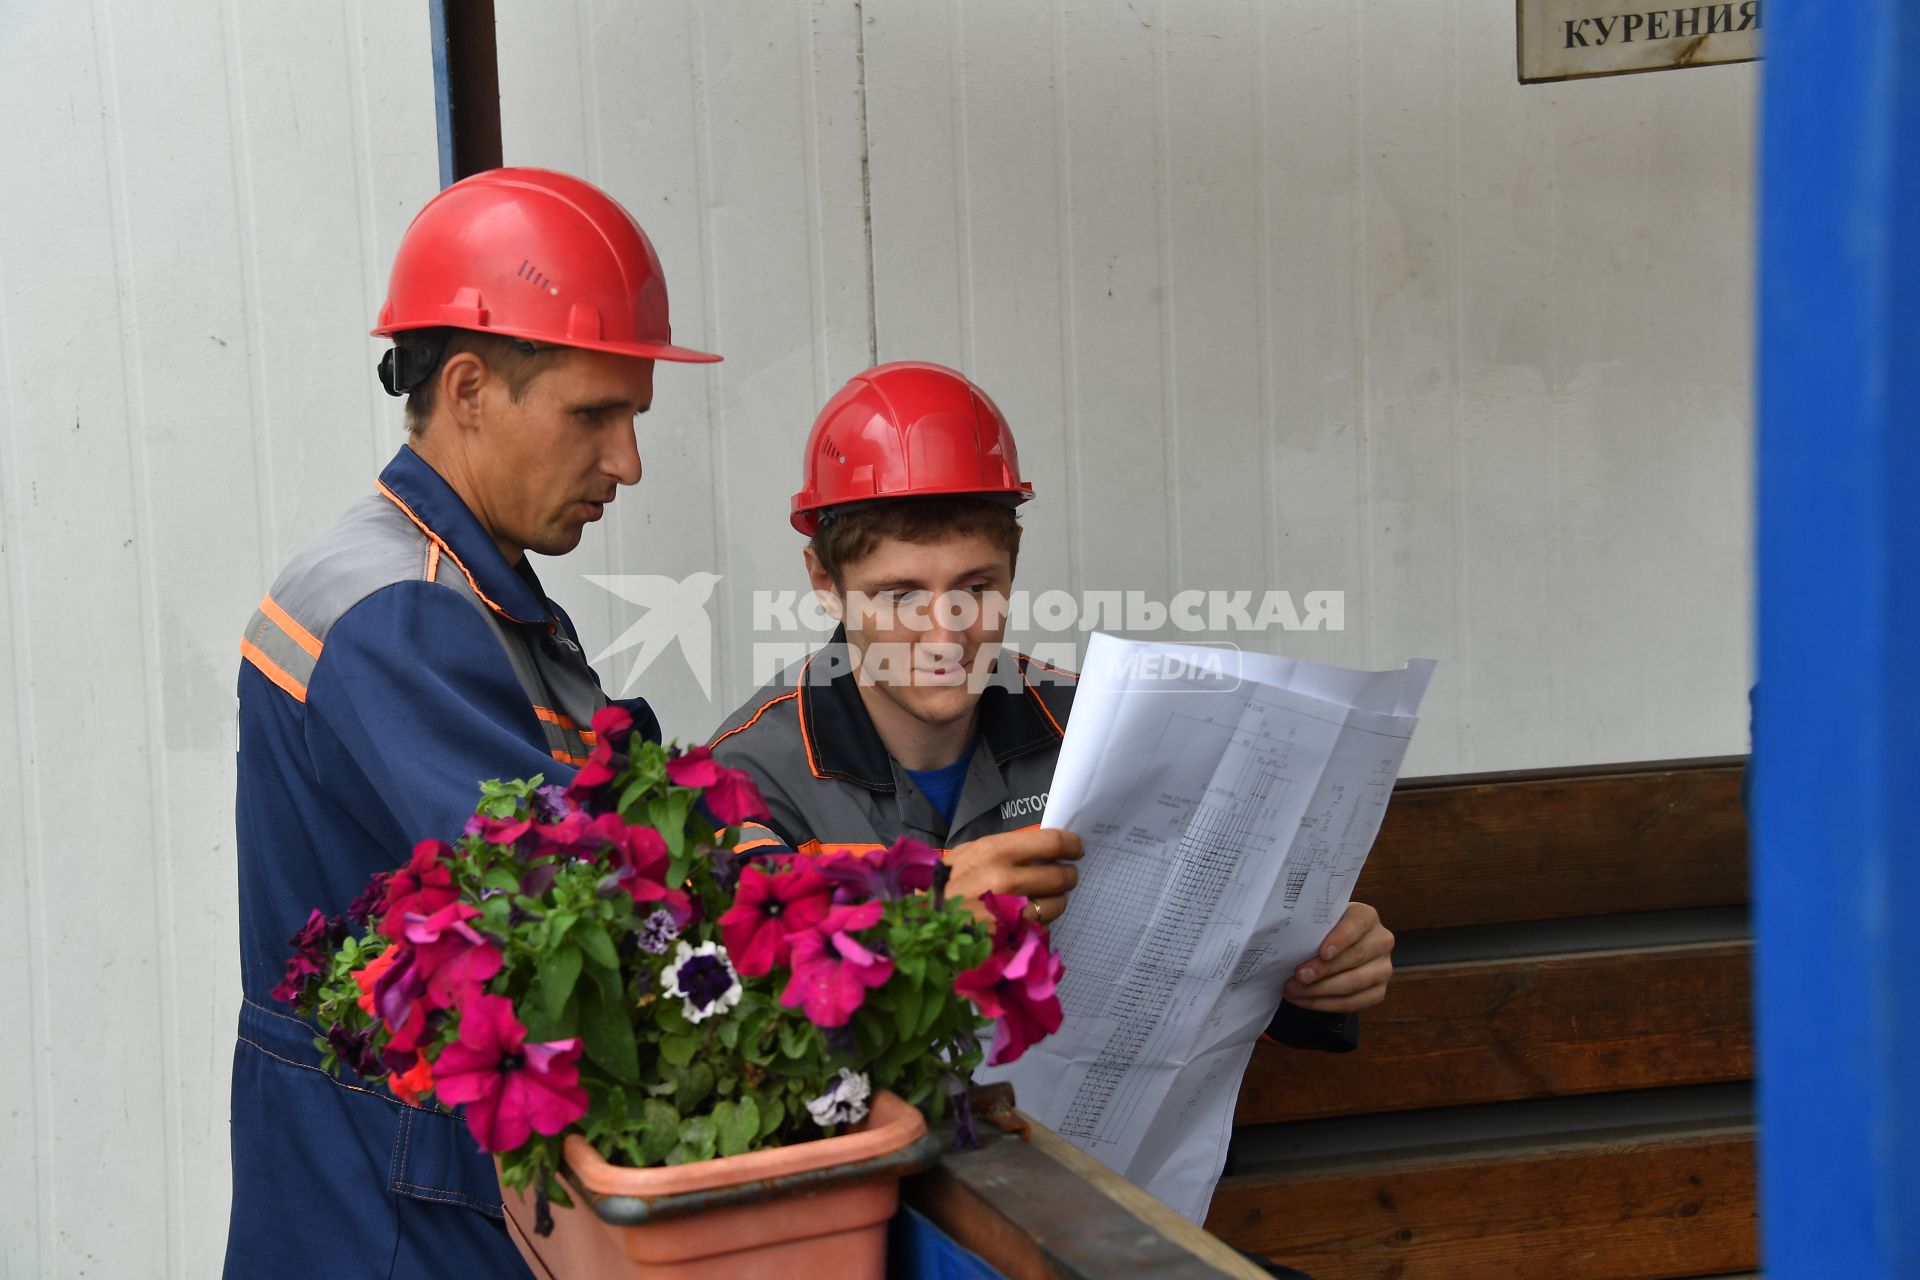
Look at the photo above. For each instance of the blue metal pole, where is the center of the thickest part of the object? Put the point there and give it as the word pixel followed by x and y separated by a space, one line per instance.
pixel 442 89
pixel 1837 721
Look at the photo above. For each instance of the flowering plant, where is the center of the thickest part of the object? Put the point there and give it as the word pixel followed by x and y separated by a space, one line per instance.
pixel 601 958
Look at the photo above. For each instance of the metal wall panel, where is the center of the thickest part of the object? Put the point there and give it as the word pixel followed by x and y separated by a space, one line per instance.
pixel 1305 297
pixel 202 196
pixel 733 132
pixel 1316 296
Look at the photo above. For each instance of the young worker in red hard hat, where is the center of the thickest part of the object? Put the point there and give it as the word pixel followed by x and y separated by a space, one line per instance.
pixel 912 720
pixel 409 653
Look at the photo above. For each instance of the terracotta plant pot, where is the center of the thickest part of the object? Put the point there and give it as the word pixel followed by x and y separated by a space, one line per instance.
pixel 811 1211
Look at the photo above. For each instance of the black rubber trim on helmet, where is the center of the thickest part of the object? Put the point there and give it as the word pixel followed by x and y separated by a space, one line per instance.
pixel 408 364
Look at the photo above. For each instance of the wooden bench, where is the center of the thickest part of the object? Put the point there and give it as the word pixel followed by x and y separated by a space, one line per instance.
pixel 1559 1082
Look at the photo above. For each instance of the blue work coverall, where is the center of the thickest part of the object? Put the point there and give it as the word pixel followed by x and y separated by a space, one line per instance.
pixel 394 665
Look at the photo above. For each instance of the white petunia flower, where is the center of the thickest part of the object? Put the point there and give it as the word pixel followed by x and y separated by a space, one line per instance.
pixel 844 1102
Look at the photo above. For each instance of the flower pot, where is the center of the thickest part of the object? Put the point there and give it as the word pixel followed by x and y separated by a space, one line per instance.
pixel 810 1211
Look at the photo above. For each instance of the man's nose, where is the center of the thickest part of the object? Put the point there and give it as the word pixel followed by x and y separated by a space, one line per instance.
pixel 952 616
pixel 622 459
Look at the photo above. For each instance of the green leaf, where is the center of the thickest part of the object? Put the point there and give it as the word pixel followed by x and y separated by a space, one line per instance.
pixel 772 1113
pixel 559 922
pixel 793 1039
pixel 737 1124
pixel 698 1139
pixel 936 1004
pixel 668 814
pixel 543 1026
pixel 557 978
pixel 593 940
pixel 692 1085
pixel 607 1034
pixel 679 1050
pixel 504 879
pixel 670 1012
pixel 494 912
pixel 730 1033
pixel 907 1009
pixel 659 1131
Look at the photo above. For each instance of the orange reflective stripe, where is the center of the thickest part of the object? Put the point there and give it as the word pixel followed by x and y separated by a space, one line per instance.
pixel 440 542
pixel 813 848
pixel 554 717
pixel 295 632
pixel 273 670
pixel 806 741
pixel 756 715
pixel 745 845
pixel 567 757
pixel 588 736
pixel 433 562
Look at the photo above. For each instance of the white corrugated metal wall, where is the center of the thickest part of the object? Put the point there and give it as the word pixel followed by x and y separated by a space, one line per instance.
pixel 1305 295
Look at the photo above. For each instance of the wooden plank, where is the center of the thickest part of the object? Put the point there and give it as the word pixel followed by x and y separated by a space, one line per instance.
pixel 1544 847
pixel 1616 1207
pixel 1041 1210
pixel 1536 1027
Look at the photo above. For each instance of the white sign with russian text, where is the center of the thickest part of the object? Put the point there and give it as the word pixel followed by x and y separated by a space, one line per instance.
pixel 1567 39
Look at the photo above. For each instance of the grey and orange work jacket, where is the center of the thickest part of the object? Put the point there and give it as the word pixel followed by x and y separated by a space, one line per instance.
pixel 394 664
pixel 829 782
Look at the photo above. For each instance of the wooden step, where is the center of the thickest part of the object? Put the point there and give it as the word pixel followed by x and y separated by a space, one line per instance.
pixel 1538 1027
pixel 1500 848
pixel 1650 1204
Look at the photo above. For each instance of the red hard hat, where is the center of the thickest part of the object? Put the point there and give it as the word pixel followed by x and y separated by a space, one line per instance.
pixel 528 253
pixel 906 430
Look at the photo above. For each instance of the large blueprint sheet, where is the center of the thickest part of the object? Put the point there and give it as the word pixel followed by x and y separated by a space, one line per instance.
pixel 1227 802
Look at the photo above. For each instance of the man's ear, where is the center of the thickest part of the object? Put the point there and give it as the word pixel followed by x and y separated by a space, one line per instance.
pixel 463 377
pixel 824 586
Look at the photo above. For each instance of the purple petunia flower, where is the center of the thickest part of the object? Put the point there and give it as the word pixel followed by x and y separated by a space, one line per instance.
pixel 704 979
pixel 355 1050
pixel 907 866
pixel 658 931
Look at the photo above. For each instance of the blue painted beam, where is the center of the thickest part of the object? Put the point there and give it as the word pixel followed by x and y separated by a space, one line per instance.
pixel 1837 720
pixel 442 90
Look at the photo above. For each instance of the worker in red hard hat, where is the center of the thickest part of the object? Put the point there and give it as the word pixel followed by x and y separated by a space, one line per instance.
pixel 914 719
pixel 408 654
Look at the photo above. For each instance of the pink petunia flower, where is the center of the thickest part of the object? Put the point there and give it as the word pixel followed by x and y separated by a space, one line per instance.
pixel 1016 988
pixel 695 767
pixel 399 992
pixel 769 909
pixel 1010 919
pixel 450 956
pixel 639 859
pixel 730 794
pixel 734 799
pixel 511 1089
pixel 423 886
pixel 832 969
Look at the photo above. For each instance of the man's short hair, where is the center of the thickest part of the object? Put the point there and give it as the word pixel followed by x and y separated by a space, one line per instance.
pixel 514 359
pixel 849 534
